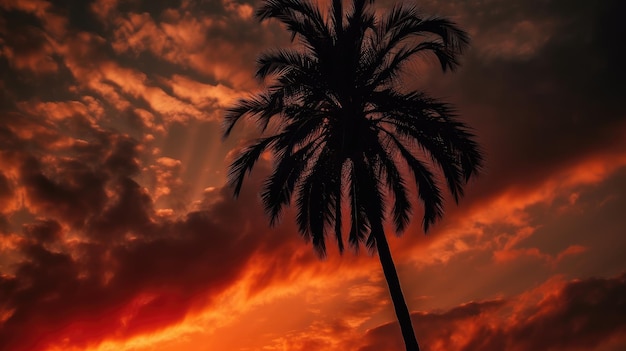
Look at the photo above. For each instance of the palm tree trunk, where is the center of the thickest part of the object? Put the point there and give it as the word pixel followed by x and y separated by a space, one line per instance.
pixel 402 312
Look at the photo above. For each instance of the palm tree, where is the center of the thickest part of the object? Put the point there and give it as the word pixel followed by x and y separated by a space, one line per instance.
pixel 343 133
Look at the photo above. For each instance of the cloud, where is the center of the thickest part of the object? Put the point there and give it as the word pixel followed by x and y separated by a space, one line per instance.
pixel 577 315
pixel 204 96
pixel 92 259
pixel 195 36
pixel 26 47
pixel 128 272
pixel 6 194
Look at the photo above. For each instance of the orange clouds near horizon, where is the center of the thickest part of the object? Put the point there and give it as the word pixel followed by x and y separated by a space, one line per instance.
pixel 117 231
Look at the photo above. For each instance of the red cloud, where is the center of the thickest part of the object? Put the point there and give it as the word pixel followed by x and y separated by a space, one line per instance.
pixel 138 276
pixel 93 261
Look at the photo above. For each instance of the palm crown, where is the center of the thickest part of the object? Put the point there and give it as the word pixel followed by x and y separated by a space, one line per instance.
pixel 345 129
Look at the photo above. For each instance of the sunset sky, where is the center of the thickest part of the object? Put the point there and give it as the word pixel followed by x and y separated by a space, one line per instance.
pixel 117 231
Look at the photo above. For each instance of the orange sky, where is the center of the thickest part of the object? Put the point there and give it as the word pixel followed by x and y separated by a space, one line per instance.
pixel 117 233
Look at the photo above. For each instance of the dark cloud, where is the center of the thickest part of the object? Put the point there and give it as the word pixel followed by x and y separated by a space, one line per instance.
pixel 431 328
pixel 96 262
pixel 164 269
pixel 43 230
pixel 71 193
pixel 582 315
pixel 592 310
pixel 6 191
pixel 25 46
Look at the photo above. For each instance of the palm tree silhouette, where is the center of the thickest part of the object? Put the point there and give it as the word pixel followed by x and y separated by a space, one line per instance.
pixel 343 133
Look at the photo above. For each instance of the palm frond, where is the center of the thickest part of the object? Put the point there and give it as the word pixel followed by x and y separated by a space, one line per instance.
pixel 392 43
pixel 371 195
pixel 446 58
pixel 434 126
pixel 301 18
pixel 403 22
pixel 278 61
pixel 395 182
pixel 262 106
pixel 359 222
pixel 279 186
pixel 336 204
pixel 244 163
pixel 427 188
pixel 315 192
